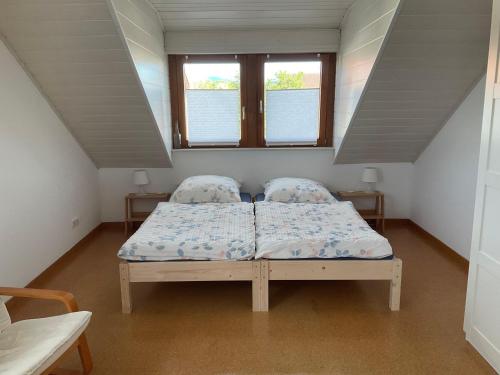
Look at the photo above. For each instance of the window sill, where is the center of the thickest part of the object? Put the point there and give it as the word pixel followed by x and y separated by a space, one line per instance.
pixel 266 149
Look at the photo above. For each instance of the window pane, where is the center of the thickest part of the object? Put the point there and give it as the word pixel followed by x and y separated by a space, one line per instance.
pixel 292 101
pixel 212 97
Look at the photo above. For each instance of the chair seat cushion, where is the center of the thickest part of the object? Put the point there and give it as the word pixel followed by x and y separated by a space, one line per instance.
pixel 31 346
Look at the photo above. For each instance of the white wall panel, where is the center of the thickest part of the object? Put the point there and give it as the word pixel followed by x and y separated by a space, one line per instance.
pixel 143 34
pixel 363 31
pixel 253 168
pixel 252 41
pixel 444 181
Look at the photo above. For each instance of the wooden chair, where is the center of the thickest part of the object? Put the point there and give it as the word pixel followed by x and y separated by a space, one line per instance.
pixel 36 346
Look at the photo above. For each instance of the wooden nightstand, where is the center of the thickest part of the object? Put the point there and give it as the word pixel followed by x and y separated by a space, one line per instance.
pixel 377 213
pixel 132 217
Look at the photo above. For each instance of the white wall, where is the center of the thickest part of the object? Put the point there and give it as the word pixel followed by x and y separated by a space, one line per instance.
pixel 252 41
pixel 445 176
pixel 253 168
pixel 363 32
pixel 46 180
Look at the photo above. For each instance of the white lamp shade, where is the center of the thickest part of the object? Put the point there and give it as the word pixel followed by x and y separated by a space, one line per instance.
pixel 370 175
pixel 141 177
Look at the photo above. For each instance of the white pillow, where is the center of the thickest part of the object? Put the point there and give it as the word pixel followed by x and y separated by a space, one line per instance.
pixel 207 189
pixel 296 190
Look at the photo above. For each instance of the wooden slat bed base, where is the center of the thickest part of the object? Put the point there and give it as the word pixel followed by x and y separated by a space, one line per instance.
pixel 134 272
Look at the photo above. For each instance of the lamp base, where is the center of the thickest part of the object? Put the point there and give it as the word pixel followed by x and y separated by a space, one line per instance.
pixel 141 191
pixel 370 187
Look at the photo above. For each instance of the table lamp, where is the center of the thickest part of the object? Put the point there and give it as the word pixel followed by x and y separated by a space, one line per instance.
pixel 370 177
pixel 141 179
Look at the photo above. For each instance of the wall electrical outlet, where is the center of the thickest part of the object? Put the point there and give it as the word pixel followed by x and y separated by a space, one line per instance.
pixel 75 222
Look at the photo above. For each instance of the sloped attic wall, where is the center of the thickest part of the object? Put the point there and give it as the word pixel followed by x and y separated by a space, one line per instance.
pixel 434 54
pixel 142 31
pixel 364 29
pixel 76 55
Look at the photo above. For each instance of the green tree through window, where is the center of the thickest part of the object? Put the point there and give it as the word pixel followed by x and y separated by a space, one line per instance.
pixel 284 80
pixel 218 84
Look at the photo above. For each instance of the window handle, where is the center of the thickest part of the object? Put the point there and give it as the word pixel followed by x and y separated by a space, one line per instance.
pixel 261 106
pixel 243 113
pixel 177 136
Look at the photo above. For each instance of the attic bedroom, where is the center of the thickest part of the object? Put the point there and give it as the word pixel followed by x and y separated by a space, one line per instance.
pixel 249 187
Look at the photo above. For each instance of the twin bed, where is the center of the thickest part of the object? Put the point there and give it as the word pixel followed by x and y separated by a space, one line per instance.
pixel 260 242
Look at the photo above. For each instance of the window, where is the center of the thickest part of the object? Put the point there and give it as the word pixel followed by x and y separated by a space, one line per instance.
pixel 292 97
pixel 252 100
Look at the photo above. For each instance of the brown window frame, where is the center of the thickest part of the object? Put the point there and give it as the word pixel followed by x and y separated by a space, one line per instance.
pixel 252 92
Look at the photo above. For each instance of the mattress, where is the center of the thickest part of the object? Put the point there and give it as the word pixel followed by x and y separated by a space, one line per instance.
pixel 203 231
pixel 316 230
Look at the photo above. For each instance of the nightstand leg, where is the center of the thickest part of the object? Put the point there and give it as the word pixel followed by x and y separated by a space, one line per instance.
pixel 125 221
pixel 382 209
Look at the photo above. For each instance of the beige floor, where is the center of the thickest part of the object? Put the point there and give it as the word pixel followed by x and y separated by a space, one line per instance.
pixel 312 327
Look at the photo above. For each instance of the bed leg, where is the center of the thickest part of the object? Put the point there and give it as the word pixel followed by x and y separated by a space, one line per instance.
pixel 395 293
pixel 256 286
pixel 264 287
pixel 125 288
pixel 256 283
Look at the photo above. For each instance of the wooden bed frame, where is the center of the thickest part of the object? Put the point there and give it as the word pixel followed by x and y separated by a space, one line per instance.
pixel 176 271
pixel 332 270
pixel 260 272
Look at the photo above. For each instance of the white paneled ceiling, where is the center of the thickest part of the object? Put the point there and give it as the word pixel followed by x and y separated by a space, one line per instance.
pixel 250 15
pixel 75 54
pixel 435 54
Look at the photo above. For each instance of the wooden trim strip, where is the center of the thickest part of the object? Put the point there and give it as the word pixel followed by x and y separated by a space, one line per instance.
pixel 330 101
pixel 174 102
pixel 451 254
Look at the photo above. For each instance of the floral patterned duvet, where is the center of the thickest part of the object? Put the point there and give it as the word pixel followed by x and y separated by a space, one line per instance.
pixel 315 230
pixel 203 231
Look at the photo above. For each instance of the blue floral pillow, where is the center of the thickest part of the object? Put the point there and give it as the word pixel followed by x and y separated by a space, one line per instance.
pixel 296 190
pixel 207 189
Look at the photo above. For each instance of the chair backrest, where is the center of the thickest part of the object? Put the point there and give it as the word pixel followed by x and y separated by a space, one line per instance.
pixel 4 316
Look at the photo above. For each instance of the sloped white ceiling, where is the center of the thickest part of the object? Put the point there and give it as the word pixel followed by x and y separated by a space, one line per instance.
pixel 90 67
pixel 250 15
pixel 434 55
pixel 73 50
